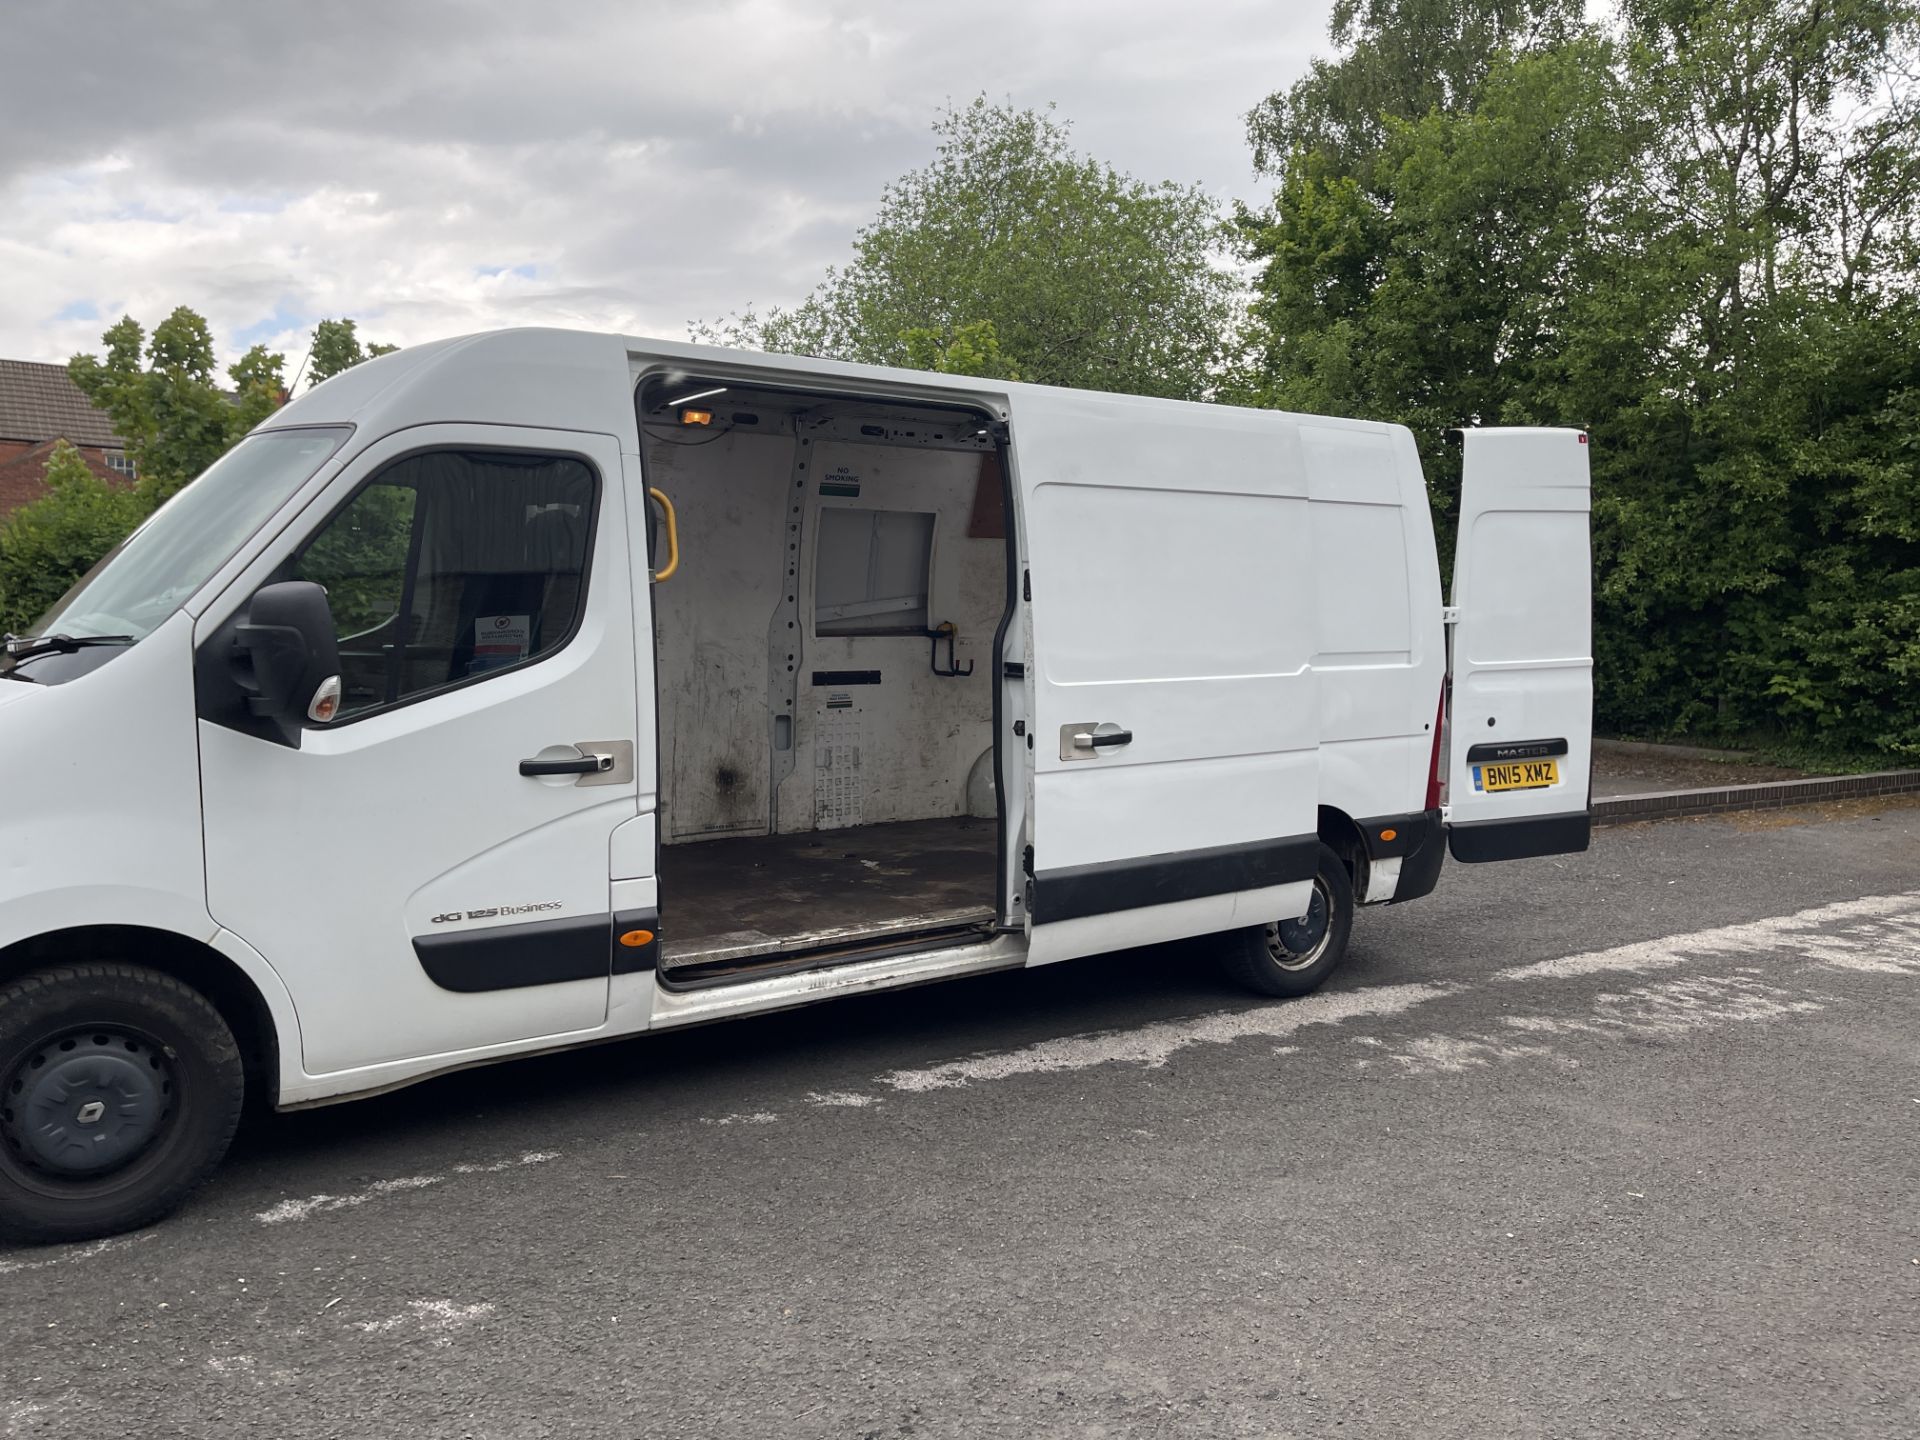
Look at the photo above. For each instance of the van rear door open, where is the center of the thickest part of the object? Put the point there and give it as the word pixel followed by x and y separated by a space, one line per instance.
pixel 1174 709
pixel 1522 648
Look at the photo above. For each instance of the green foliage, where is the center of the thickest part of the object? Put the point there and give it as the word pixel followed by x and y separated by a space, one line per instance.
pixel 1693 233
pixel 260 387
pixel 361 557
pixel 169 409
pixel 1402 59
pixel 969 350
pixel 165 400
pixel 337 347
pixel 1010 252
pixel 48 544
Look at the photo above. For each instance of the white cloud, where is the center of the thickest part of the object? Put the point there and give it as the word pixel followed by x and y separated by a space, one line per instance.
pixel 435 168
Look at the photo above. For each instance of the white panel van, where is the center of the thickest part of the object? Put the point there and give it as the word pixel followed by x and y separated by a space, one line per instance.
pixel 536 688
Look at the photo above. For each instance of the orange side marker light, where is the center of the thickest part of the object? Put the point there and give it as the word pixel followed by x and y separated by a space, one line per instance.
pixel 634 939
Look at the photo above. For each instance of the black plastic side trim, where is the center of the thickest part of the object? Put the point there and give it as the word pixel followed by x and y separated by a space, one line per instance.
pixel 1410 832
pixel 1484 840
pixel 635 959
pixel 1074 891
pixel 1515 750
pixel 507 957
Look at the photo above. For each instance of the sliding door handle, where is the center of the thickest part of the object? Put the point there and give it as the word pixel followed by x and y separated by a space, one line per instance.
pixel 1089 739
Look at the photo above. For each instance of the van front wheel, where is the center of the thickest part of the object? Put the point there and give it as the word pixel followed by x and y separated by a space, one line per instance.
pixel 1292 957
pixel 120 1089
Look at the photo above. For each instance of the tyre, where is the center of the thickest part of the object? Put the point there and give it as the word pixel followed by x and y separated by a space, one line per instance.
pixel 119 1092
pixel 1292 957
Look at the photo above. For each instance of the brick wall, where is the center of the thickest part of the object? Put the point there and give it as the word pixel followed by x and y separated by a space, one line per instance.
pixel 23 471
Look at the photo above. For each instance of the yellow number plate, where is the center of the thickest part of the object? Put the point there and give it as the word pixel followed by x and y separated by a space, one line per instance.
pixel 1521 775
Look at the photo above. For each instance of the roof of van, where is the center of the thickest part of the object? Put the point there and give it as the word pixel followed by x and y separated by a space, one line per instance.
pixel 574 379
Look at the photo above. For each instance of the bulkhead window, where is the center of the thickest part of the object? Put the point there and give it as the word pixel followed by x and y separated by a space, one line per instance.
pixel 870 572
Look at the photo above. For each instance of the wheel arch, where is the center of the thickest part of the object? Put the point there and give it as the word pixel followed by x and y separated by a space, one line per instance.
pixel 220 977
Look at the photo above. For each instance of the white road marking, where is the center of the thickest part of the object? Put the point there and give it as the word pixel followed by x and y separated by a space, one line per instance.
pixel 532 1157
pixel 1153 1045
pixel 1450 1054
pixel 428 1316
pixel 851 1099
pixel 1662 1010
pixel 1674 1007
pixel 758 1117
pixel 78 1252
pixel 305 1209
pixel 1878 934
pixel 1875 932
pixel 324 1204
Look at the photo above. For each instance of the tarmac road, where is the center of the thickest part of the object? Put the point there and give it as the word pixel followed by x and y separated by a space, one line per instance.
pixel 1592 1146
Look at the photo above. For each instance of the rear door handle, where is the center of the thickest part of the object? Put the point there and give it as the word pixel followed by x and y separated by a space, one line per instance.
pixel 588 764
pixel 1101 739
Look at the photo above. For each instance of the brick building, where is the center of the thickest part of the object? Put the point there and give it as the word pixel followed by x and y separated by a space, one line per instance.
pixel 39 406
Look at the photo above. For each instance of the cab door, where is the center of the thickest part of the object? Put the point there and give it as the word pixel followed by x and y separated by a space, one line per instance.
pixel 1521 716
pixel 1173 715
pixel 429 873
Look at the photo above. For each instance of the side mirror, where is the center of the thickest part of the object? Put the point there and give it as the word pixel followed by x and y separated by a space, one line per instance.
pixel 295 661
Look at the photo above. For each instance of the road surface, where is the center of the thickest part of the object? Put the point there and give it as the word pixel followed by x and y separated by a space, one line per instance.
pixel 1619 1144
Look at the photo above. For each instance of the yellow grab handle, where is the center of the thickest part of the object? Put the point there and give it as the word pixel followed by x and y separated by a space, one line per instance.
pixel 673 538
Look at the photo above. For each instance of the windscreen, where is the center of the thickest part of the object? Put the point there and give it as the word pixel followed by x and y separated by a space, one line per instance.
pixel 148 575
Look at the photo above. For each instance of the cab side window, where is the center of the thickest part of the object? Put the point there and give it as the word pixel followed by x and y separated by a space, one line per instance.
pixel 451 565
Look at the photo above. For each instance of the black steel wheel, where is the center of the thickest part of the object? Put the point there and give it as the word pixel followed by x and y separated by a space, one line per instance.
pixel 1292 957
pixel 120 1089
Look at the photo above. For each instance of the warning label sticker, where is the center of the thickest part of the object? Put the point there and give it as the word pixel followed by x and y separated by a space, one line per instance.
pixel 500 639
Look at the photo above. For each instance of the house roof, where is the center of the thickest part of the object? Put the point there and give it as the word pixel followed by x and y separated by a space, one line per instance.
pixel 41 402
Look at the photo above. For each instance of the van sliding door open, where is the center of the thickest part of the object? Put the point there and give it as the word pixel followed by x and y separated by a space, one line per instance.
pixel 1174 711
pixel 1522 652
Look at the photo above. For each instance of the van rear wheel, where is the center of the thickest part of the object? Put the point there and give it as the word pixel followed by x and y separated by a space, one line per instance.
pixel 1292 957
pixel 120 1089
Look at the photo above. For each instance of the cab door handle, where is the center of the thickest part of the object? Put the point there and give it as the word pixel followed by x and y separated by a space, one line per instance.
pixel 588 764
pixel 1101 739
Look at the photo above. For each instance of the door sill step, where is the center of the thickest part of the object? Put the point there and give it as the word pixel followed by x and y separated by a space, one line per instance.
pixel 707 974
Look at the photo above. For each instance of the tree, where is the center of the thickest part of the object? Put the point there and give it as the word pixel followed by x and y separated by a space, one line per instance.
pixel 165 402
pixel 170 410
pixel 1692 232
pixel 48 543
pixel 337 347
pixel 1403 60
pixel 1010 252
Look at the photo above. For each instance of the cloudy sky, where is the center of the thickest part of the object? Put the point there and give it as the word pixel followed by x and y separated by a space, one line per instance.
pixel 431 167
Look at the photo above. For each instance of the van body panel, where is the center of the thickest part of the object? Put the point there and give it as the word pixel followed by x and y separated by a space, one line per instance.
pixel 540 378
pixel 413 823
pixel 1380 648
pixel 1169 555
pixel 1522 691
pixel 99 805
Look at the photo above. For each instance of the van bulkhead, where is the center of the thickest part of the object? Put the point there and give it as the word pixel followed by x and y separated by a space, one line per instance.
pixel 535 688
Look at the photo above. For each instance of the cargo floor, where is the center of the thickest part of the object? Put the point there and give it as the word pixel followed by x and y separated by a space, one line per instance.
pixel 723 900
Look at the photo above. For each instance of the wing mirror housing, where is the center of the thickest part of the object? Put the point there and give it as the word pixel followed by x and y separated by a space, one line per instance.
pixel 286 660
